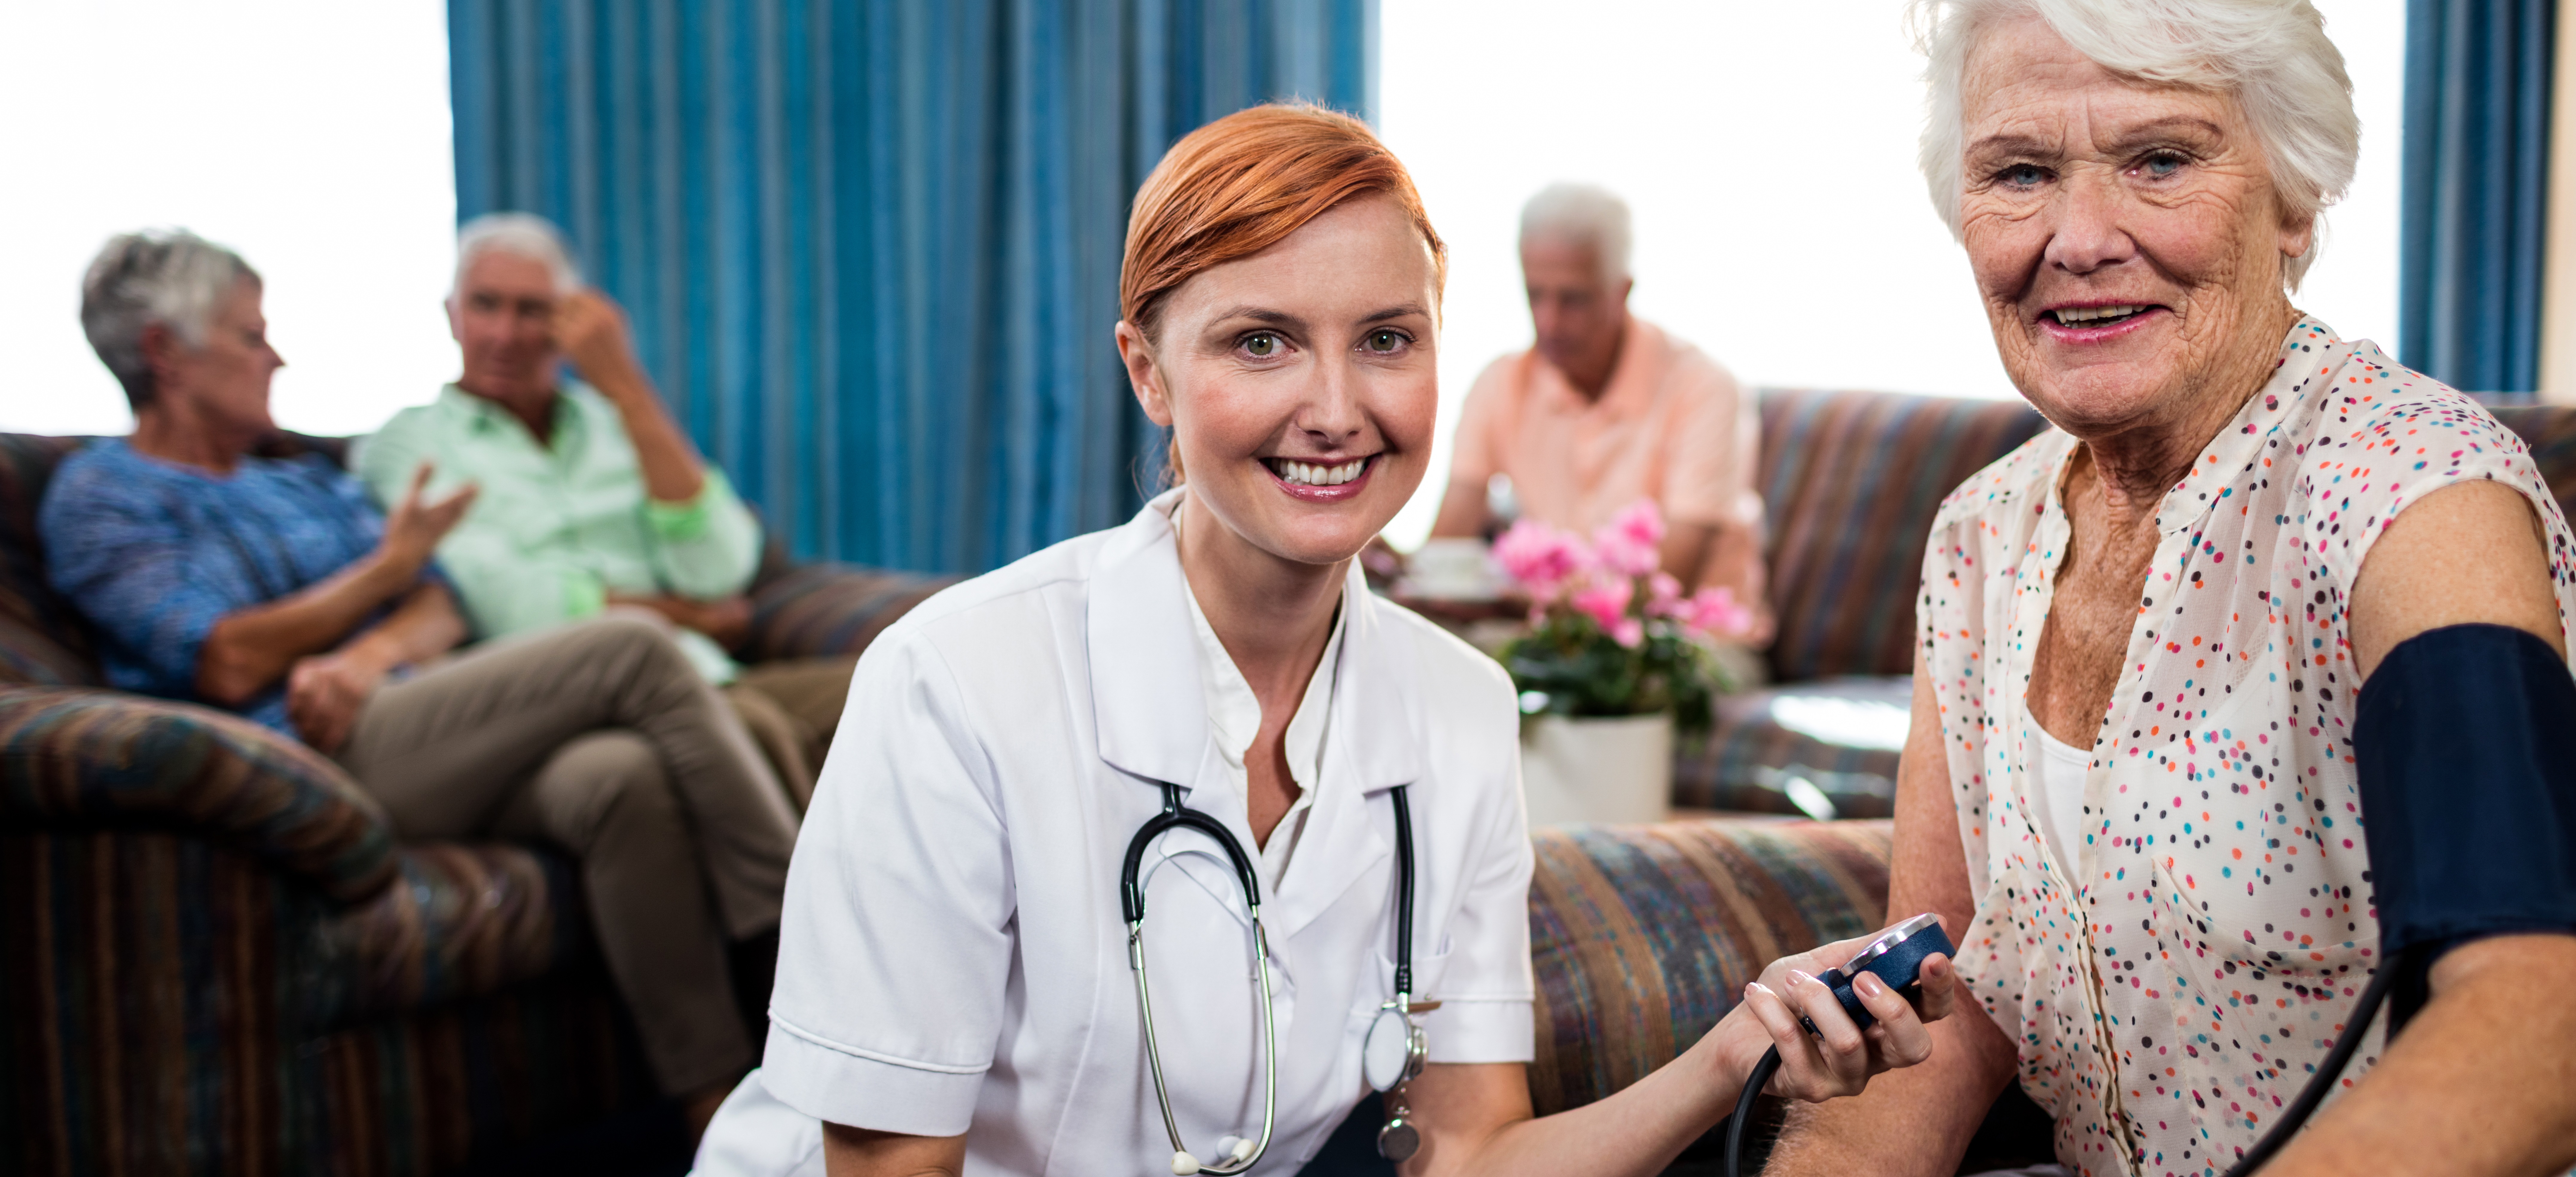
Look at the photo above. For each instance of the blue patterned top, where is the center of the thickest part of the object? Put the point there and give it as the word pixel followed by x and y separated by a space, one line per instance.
pixel 154 553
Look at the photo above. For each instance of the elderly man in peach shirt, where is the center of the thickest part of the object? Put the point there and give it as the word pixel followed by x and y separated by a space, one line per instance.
pixel 1606 409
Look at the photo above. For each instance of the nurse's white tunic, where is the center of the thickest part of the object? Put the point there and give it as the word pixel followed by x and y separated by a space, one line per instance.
pixel 953 958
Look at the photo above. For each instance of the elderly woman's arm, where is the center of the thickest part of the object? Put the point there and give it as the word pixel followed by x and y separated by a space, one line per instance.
pixel 248 649
pixel 1915 1122
pixel 2482 1081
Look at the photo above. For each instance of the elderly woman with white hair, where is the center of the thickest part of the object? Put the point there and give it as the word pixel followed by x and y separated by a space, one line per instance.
pixel 270 588
pixel 2228 680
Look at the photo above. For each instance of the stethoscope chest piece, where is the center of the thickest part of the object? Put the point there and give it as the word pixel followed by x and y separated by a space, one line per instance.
pixel 1393 1052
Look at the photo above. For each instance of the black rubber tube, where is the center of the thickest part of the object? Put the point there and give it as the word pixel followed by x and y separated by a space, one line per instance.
pixel 1753 1085
pixel 2296 1115
pixel 1403 892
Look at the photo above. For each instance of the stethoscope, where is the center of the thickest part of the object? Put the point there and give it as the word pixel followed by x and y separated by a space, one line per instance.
pixel 1391 1056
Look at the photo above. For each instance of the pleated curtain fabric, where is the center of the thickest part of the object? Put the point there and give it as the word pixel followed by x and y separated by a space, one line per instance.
pixel 2474 209
pixel 870 250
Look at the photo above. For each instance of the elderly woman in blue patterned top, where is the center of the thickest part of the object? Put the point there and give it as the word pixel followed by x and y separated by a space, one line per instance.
pixel 2130 782
pixel 271 588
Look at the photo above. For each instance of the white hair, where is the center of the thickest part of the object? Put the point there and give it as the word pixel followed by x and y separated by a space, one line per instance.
pixel 169 277
pixel 524 235
pixel 1581 214
pixel 2272 56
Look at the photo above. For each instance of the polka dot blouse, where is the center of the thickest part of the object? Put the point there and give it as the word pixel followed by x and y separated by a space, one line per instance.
pixel 2175 984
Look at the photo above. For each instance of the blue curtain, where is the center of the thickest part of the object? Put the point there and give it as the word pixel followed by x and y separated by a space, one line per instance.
pixel 870 250
pixel 2476 191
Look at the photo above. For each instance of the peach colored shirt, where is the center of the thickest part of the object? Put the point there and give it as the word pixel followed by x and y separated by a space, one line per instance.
pixel 1672 426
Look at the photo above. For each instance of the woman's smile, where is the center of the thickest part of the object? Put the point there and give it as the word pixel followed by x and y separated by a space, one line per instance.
pixel 1321 481
pixel 2099 321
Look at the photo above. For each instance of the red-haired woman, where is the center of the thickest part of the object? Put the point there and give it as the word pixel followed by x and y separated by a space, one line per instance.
pixel 1204 714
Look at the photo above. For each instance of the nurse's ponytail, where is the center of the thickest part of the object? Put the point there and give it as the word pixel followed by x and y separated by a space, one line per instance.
pixel 1242 184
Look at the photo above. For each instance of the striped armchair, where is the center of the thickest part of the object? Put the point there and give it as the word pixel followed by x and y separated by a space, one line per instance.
pixel 1850 483
pixel 215 957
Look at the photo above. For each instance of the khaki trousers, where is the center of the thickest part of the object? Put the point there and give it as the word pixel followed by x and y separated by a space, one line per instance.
pixel 602 739
pixel 792 708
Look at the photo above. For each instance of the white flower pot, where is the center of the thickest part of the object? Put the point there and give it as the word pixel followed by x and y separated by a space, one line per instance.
pixel 1597 770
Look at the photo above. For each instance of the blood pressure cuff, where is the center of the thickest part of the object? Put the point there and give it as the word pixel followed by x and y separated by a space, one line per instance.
pixel 2465 739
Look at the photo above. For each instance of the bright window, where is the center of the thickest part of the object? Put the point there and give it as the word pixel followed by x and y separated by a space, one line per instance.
pixel 310 136
pixel 1767 152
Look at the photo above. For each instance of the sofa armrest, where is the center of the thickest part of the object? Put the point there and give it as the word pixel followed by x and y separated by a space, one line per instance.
pixel 827 610
pixel 1642 937
pixel 106 758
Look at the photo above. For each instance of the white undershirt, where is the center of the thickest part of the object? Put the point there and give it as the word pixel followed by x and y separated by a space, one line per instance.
pixel 1234 719
pixel 2057 798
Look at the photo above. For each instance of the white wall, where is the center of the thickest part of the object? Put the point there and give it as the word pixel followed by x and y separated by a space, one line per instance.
pixel 311 136
pixel 1767 151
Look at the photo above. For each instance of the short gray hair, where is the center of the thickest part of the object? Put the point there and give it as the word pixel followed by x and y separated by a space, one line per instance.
pixel 2272 56
pixel 1585 215
pixel 524 235
pixel 169 277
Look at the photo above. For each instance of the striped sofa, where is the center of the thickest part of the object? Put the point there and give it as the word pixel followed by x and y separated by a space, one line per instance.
pixel 216 958
pixel 1850 483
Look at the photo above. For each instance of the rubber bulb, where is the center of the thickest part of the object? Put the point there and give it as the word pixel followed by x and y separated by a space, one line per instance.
pixel 1183 1164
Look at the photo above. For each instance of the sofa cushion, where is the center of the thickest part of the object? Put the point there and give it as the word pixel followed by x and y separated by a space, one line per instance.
pixel 821 610
pixel 92 758
pixel 42 641
pixel 1850 482
pixel 1826 749
pixel 462 919
pixel 1642 937
pixel 172 1005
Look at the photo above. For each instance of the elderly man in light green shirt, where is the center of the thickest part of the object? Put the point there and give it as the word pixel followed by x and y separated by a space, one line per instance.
pixel 592 499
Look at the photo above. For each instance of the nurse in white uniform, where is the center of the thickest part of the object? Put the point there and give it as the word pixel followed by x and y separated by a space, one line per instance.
pixel 955 985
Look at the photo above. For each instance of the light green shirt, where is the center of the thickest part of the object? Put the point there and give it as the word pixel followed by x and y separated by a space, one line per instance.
pixel 557 528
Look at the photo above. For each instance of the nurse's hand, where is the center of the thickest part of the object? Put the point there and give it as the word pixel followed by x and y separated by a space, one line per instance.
pixel 1840 1058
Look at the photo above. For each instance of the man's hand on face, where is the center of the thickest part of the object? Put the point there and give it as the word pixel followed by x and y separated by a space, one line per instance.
pixel 590 331
pixel 324 694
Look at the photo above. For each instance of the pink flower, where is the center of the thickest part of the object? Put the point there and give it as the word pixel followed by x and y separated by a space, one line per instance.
pixel 1664 596
pixel 1629 632
pixel 1632 544
pixel 1713 611
pixel 1642 520
pixel 1606 602
pixel 1540 557
pixel 1634 539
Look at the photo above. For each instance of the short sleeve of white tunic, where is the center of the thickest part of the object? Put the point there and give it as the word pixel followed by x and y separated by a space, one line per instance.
pixel 2173 980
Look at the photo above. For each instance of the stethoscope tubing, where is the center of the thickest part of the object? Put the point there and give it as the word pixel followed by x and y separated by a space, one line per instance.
pixel 1269 1044
pixel 1131 904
